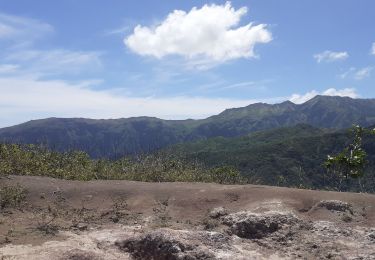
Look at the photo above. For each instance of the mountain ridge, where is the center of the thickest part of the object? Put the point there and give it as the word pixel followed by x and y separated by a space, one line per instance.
pixel 113 138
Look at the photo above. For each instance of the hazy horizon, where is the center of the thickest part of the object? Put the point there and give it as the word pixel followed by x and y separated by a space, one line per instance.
pixel 171 119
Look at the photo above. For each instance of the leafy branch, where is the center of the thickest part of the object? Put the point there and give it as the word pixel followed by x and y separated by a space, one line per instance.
pixel 351 161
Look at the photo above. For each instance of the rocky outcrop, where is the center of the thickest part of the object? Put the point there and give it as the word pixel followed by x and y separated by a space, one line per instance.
pixel 256 226
pixel 335 205
pixel 218 212
pixel 167 244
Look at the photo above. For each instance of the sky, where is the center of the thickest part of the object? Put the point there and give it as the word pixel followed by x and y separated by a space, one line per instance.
pixel 179 59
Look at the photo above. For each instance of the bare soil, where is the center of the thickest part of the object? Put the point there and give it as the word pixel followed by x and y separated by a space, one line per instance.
pixel 118 219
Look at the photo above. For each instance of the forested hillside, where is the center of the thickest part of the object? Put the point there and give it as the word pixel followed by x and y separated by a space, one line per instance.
pixel 291 156
pixel 118 137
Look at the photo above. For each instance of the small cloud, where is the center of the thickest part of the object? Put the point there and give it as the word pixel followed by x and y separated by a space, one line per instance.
pixel 330 56
pixel 372 51
pixel 347 73
pixel 55 61
pixel 120 30
pixel 357 74
pixel 259 85
pixel 205 36
pixel 346 92
pixel 299 99
pixel 16 27
pixel 241 85
pixel 6 30
pixel 363 73
pixel 8 68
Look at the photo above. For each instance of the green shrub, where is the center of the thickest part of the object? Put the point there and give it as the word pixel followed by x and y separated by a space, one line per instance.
pixel 12 196
pixel 77 165
pixel 226 175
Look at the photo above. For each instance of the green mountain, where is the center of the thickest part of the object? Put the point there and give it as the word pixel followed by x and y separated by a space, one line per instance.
pixel 290 156
pixel 99 138
pixel 321 111
pixel 118 137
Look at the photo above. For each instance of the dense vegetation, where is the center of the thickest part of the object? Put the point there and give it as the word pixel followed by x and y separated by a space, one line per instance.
pixel 11 196
pixel 117 138
pixel 292 156
pixel 248 139
pixel 37 161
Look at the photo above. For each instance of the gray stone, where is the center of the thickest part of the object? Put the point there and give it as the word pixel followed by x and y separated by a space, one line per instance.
pixel 163 245
pixel 218 212
pixel 335 205
pixel 256 226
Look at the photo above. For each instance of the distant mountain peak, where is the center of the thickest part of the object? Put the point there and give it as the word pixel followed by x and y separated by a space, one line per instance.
pixel 287 102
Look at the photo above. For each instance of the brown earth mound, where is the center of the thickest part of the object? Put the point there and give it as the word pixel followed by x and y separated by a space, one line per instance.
pixel 134 220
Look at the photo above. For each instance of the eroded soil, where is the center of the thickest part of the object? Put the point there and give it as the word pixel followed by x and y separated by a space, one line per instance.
pixel 134 220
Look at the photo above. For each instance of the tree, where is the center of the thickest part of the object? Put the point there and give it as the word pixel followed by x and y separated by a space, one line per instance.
pixel 227 175
pixel 351 161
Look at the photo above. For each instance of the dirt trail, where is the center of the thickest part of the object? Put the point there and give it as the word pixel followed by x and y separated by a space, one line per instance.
pixel 115 219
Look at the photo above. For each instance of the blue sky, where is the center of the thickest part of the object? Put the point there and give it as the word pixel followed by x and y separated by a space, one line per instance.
pixel 178 59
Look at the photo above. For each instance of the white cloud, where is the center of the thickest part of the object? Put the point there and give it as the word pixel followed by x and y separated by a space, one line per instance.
pixel 330 56
pixel 55 61
pixel 119 30
pixel 8 68
pixel 6 30
pixel 25 98
pixel 346 92
pixel 372 51
pixel 363 73
pixel 16 27
pixel 203 36
pixel 299 99
pixel 350 72
pixel 357 74
pixel 17 51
